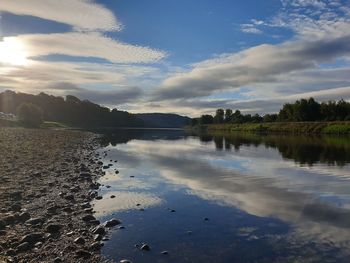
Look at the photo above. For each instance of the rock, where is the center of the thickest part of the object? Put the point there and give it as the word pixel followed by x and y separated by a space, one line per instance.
pixel 23 247
pixel 88 218
pixel 69 234
pixel 86 205
pixel 24 216
pixel 145 247
pixel 16 207
pixel 125 261
pixel 53 209
pixel 10 252
pixel 99 230
pixel 53 228
pixel 112 196
pixel 9 219
pixel 206 219
pixel 79 241
pixel 32 238
pixel 98 237
pixel 82 254
pixel 121 227
pixel 105 167
pixel 2 224
pixel 95 222
pixel 113 222
pixel 117 172
pixel 95 246
pixel 164 252
pixel 99 197
pixel 35 221
pixel 69 197
pixel 57 260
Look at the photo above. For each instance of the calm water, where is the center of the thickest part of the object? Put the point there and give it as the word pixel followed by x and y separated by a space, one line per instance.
pixel 236 199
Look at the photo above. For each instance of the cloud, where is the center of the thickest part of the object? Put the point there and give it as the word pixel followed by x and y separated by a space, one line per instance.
pixel 111 97
pixel 255 66
pixel 81 14
pixel 250 28
pixel 86 45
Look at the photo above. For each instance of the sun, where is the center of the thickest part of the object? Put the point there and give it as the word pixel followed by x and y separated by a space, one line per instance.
pixel 12 52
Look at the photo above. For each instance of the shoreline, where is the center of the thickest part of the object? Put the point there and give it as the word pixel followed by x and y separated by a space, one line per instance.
pixel 302 128
pixel 49 178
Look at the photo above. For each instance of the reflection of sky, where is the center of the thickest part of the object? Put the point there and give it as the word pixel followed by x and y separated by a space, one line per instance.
pixel 315 200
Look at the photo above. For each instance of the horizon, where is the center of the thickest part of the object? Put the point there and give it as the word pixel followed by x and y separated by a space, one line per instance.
pixel 177 56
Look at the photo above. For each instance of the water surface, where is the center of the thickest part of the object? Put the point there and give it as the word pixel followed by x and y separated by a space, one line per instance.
pixel 241 198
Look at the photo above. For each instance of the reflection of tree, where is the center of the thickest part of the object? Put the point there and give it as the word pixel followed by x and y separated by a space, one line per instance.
pixel 219 142
pixel 302 149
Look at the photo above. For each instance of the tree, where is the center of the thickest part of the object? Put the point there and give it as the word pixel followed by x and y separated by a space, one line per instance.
pixel 30 114
pixel 219 116
pixel 206 119
pixel 228 115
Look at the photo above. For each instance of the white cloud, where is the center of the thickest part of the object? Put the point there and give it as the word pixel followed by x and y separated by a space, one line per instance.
pixel 81 14
pixel 86 45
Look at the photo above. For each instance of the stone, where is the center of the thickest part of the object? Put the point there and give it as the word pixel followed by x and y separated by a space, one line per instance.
pixel 88 218
pixel 125 261
pixel 53 228
pixel 164 252
pixel 82 253
pixel 24 216
pixel 79 241
pixel 33 238
pixel 23 247
pixel 113 222
pixel 145 247
pixel 99 230
pixel 35 221
pixel 95 246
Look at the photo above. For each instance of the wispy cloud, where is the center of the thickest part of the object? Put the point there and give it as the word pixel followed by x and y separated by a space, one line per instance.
pixel 80 14
pixel 87 45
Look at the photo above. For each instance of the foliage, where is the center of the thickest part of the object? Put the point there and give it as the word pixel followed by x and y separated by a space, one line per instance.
pixel 300 111
pixel 30 114
pixel 71 111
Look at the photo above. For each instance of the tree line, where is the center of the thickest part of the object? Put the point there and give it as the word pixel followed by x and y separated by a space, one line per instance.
pixel 300 110
pixel 69 110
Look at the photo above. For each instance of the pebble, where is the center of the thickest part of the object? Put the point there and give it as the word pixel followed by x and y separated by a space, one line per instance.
pixel 113 222
pixel 53 228
pixel 88 218
pixel 145 247
pixel 79 241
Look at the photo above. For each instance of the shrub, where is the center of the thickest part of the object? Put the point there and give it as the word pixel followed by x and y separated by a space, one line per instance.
pixel 30 114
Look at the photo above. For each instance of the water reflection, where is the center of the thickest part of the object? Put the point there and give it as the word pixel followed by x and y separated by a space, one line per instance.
pixel 257 191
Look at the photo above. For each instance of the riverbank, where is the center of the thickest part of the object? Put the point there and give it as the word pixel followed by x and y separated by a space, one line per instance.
pixel 278 127
pixel 48 178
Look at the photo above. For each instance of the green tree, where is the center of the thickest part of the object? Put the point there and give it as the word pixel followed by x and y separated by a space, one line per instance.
pixel 219 116
pixel 228 115
pixel 206 119
pixel 30 114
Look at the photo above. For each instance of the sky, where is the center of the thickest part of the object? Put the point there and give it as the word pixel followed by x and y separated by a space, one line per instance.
pixel 179 56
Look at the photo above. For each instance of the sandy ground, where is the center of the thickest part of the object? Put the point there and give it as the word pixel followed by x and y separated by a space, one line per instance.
pixel 47 180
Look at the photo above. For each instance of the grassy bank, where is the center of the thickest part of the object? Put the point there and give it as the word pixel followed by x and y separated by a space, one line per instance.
pixel 280 127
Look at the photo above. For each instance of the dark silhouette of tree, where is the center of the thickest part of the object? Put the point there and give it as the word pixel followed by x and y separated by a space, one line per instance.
pixel 219 116
pixel 301 110
pixel 206 119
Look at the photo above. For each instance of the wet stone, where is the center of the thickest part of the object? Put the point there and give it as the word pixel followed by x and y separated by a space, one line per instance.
pixel 113 222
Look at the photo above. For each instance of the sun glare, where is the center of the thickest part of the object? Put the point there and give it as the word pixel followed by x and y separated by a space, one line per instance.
pixel 12 51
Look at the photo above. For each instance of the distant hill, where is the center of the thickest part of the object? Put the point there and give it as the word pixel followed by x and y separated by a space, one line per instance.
pixel 163 120
pixel 70 110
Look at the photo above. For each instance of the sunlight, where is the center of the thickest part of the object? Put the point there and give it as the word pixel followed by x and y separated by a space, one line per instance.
pixel 12 51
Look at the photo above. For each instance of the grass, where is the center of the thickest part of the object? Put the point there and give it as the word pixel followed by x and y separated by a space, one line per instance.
pixel 282 127
pixel 53 125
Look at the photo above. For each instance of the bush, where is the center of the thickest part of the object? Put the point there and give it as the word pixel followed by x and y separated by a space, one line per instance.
pixel 30 114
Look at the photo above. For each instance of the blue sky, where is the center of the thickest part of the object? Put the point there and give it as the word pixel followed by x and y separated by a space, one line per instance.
pixel 184 56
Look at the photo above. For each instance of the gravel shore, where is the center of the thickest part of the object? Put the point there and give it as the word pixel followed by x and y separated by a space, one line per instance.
pixel 48 178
